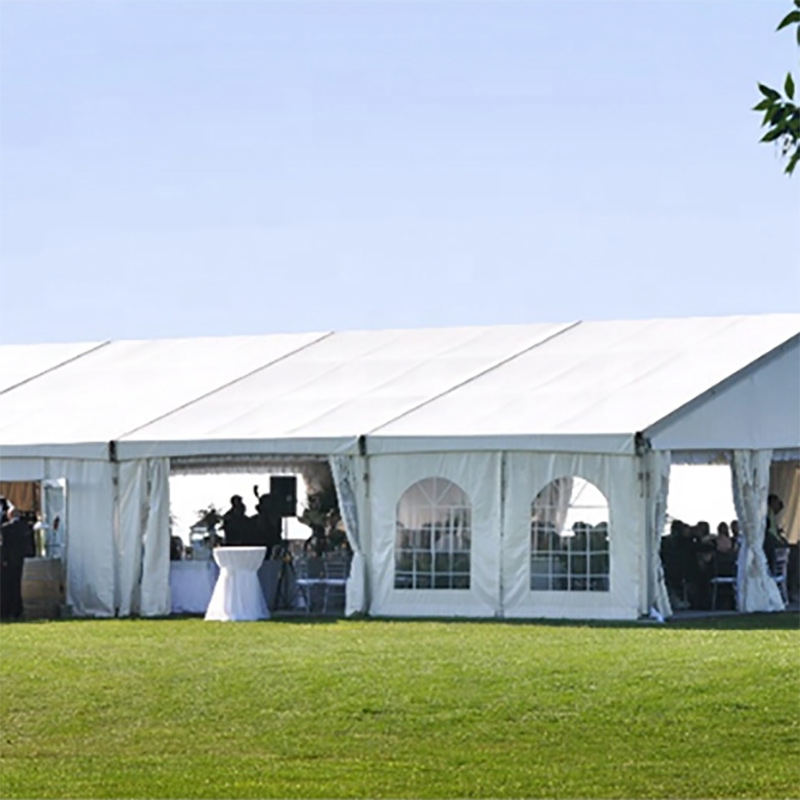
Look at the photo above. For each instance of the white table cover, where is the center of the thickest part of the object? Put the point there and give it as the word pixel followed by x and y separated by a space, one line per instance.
pixel 238 595
pixel 191 584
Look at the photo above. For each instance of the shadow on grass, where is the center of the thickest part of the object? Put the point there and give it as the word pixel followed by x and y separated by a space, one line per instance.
pixel 786 620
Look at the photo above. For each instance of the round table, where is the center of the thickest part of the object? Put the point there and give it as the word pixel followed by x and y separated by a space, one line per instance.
pixel 237 595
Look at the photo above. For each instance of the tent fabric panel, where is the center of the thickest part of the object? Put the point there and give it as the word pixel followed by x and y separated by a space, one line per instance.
pixel 155 592
pixel 126 384
pixel 658 464
pixel 347 384
pixel 600 378
pixel 128 535
pixel 215 448
pixel 87 451
pixel 24 362
pixel 477 474
pixel 617 478
pixel 760 409
pixel 621 443
pixel 349 482
pixel 90 539
pixel 755 589
pixel 22 469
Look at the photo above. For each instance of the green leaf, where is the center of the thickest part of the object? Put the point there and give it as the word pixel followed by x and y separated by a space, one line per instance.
pixel 771 136
pixel 789 86
pixel 763 105
pixel 792 16
pixel 770 93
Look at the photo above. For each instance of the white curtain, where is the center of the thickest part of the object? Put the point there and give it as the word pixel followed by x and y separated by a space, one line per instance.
pixel 552 503
pixel 131 516
pixel 345 471
pixel 142 552
pixel 90 534
pixel 658 467
pixel 155 598
pixel 756 591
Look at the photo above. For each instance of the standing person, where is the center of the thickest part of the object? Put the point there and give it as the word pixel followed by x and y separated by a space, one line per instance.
pixel 773 537
pixel 268 524
pixel 235 523
pixel 15 535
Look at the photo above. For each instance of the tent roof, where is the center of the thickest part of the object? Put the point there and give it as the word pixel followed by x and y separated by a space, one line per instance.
pixel 23 362
pixel 602 380
pixel 573 386
pixel 108 391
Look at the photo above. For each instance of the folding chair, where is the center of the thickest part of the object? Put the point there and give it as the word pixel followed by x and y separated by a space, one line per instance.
pixel 336 567
pixel 781 572
pixel 724 575
pixel 306 583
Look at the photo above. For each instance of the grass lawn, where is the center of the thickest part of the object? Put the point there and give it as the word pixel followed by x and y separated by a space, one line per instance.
pixel 185 708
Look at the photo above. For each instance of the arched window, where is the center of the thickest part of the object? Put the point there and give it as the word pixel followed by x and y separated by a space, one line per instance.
pixel 569 538
pixel 433 536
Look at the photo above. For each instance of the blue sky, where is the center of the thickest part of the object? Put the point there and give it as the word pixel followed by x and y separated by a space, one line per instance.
pixel 184 168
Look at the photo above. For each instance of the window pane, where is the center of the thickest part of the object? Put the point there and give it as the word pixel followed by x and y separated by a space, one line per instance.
pixel 433 536
pixel 422 561
pixel 540 583
pixel 598 564
pixel 461 563
pixel 403 560
pixel 578 565
pixel 402 580
pixel 569 525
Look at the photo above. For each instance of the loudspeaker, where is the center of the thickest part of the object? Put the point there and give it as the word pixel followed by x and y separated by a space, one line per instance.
pixel 283 490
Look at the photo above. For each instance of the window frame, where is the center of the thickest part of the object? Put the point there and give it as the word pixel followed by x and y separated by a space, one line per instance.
pixel 578 563
pixel 437 553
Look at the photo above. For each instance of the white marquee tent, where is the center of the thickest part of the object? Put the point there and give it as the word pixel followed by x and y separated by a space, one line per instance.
pixel 439 441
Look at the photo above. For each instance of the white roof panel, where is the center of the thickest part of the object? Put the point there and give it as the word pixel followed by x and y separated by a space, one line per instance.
pixel 346 384
pixel 23 362
pixel 598 378
pixel 125 384
pixel 575 386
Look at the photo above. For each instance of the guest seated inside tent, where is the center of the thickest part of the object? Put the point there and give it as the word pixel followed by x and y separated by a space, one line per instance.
pixel 175 548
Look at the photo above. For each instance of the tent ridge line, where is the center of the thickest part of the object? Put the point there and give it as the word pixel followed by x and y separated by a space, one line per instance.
pixel 657 426
pixel 56 366
pixel 567 327
pixel 225 385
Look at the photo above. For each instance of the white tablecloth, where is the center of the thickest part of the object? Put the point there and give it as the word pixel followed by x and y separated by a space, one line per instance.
pixel 238 595
pixel 191 584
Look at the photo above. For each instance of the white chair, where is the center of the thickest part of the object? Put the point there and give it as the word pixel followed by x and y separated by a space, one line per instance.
pixel 336 567
pixel 306 582
pixel 781 572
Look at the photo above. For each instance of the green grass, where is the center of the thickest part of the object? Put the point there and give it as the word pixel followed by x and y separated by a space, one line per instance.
pixel 185 708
